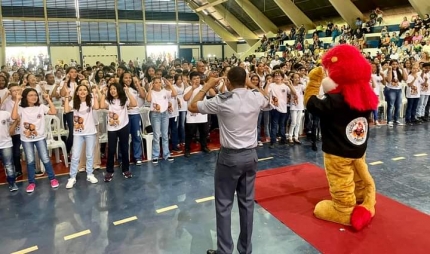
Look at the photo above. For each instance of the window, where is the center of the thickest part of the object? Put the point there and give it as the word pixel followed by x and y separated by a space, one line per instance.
pixel 98 32
pixel 97 9
pixel 160 10
pixel 185 13
pixel 22 8
pixel 18 31
pixel 61 8
pixel 183 7
pixel 62 32
pixel 131 32
pixel 208 35
pixel 157 33
pixel 189 33
pixel 130 9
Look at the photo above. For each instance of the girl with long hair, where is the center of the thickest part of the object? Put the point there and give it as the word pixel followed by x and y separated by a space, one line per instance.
pixel 116 99
pixel 394 76
pixel 138 93
pixel 84 130
pixel 32 127
pixel 377 79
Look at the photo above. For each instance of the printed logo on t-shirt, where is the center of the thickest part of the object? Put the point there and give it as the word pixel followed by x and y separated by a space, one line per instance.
pixel 78 123
pixel 113 119
pixel 283 90
pixel 39 116
pixel 30 130
pixel 414 90
pixel 356 131
pixel 3 122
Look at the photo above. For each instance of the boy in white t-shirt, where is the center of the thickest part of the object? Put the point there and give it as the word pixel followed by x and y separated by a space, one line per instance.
pixel 6 150
pixel 425 92
pixel 413 89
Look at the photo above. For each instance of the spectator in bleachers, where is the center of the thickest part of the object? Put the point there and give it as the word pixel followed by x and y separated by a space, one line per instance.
pixel 318 30
pixel 329 29
pixel 395 38
pixel 404 26
pixel 358 23
pixel 426 21
pixel 335 33
pixel 384 31
pixel 406 48
pixel 417 37
pixel 379 15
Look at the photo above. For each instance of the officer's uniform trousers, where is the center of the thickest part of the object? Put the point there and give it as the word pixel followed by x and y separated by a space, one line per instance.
pixel 235 171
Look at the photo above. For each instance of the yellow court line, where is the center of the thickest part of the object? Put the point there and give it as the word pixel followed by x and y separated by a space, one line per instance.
pixel 119 222
pixel 205 199
pixel 165 209
pixel 376 163
pixel 398 158
pixel 420 154
pixel 76 235
pixel 265 159
pixel 28 250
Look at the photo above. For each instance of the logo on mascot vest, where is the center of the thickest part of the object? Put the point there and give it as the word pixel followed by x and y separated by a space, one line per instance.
pixel 356 131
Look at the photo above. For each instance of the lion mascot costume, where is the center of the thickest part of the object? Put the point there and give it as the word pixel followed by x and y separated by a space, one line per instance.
pixel 344 109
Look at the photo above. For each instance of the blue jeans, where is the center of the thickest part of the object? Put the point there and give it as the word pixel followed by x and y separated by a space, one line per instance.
pixel 7 158
pixel 265 116
pixel 90 143
pixel 42 149
pixel 411 109
pixel 394 102
pixel 375 114
pixel 422 105
pixel 173 127
pixel 136 139
pixel 277 119
pixel 160 127
pixel 181 126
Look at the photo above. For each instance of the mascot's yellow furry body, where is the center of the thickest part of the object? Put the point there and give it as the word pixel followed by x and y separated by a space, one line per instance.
pixel 343 113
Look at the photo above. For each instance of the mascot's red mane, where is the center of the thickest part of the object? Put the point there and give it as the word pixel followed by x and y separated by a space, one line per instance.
pixel 352 72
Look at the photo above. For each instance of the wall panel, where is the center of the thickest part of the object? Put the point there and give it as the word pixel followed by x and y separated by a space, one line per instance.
pixel 65 54
pixel 131 52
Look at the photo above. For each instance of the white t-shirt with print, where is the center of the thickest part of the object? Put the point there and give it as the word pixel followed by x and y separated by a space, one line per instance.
pixel 32 124
pixel 117 116
pixel 279 92
pixel 72 88
pixel 55 101
pixel 393 84
pixel 135 94
pixel 160 98
pixel 425 85
pixel 83 119
pixel 298 104
pixel 174 112
pixel 414 91
pixel 5 121
pixel 180 97
pixel 195 117
pixel 8 105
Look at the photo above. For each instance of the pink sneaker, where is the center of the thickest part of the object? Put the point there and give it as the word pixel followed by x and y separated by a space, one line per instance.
pixel 54 183
pixel 31 187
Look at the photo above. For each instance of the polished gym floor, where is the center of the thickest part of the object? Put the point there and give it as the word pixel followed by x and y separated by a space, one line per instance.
pixel 169 208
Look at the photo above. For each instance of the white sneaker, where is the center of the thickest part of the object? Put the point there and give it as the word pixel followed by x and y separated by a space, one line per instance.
pixel 92 179
pixel 70 183
pixel 260 143
pixel 390 124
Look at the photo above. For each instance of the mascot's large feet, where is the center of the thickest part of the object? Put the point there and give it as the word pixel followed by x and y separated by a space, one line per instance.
pixel 325 210
pixel 360 217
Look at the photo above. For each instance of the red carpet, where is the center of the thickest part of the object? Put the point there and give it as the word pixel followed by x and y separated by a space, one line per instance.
pixel 290 194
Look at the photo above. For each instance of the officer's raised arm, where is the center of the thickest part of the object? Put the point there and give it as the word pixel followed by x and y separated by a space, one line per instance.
pixel 192 107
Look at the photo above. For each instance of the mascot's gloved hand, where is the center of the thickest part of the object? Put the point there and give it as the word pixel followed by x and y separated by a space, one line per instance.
pixel 315 78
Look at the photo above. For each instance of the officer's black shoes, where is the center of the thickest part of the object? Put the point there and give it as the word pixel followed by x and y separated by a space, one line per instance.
pixel 211 252
pixel 187 154
pixel 206 150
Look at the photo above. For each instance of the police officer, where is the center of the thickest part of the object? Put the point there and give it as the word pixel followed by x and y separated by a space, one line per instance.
pixel 236 166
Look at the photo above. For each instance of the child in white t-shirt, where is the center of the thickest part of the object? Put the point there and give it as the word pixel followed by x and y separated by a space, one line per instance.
pixel 117 101
pixel 413 89
pixel 6 150
pixel 180 85
pixel 159 99
pixel 425 92
pixel 296 109
pixel 84 130
pixel 377 80
pixel 32 130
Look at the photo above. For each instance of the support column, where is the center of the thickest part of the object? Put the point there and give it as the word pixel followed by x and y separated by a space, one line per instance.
pixel 117 34
pixel 228 38
pixel 258 17
pixel 347 10
pixel 421 6
pixel 3 39
pixel 295 14
pixel 250 37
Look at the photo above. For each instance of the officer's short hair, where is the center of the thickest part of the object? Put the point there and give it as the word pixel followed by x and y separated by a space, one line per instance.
pixel 193 74
pixel 237 76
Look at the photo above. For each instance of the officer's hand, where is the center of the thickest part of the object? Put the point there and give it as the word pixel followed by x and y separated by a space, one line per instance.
pixel 212 82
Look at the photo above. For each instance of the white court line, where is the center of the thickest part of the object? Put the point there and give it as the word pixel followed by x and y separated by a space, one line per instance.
pixel 165 209
pixel 205 199
pixel 28 250
pixel 72 236
pixel 119 222
pixel 265 159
